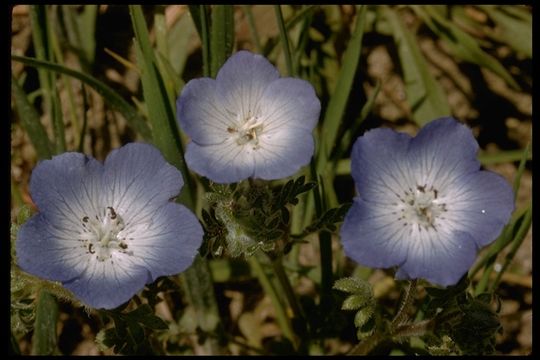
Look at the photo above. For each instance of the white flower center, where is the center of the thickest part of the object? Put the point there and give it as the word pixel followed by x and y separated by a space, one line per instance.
pixel 421 207
pixel 101 234
pixel 248 132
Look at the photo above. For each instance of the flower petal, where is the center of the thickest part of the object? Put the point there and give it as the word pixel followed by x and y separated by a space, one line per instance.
pixel 441 257
pixel 442 150
pixel 290 102
pixel 201 115
pixel 67 187
pixel 168 243
pixel 49 250
pixel 372 237
pixel 282 152
pixel 107 284
pixel 224 163
pixel 380 167
pixel 242 80
pixel 137 180
pixel 480 204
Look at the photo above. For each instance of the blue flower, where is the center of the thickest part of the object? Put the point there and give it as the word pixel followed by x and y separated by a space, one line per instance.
pixel 248 122
pixel 423 205
pixel 106 230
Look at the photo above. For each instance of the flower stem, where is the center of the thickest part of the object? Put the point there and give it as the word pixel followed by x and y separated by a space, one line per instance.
pixel 408 298
pixel 299 318
pixel 284 40
pixel 270 290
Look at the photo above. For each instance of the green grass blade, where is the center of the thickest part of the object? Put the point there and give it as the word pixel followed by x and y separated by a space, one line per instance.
pixel 221 36
pixel 502 157
pixel 521 168
pixel 295 19
pixel 516 244
pixel 515 26
pixel 58 124
pixel 462 44
pixel 38 16
pixel 178 38
pixel 425 95
pixel 44 340
pixel 86 23
pixel 111 97
pixel 30 122
pixel 338 102
pixel 195 12
pixel 347 137
pixel 161 115
pixel 284 39
pixel 337 105
pixel 253 28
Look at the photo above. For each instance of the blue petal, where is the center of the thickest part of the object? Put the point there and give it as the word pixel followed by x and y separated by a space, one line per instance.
pixel 201 114
pixel 242 80
pixel 371 236
pixel 168 243
pixel 108 284
pixel 282 152
pixel 441 257
pixel 443 150
pixel 224 163
pixel 380 167
pixel 290 103
pixel 49 250
pixel 137 180
pixel 480 204
pixel 66 187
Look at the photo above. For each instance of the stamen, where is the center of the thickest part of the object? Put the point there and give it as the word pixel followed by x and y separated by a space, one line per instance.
pixel 103 237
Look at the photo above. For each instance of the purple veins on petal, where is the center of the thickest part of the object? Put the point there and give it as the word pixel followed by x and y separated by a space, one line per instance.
pixel 248 122
pixel 106 230
pixel 424 205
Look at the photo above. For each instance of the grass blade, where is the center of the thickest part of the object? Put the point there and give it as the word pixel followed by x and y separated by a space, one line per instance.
pixel 161 115
pixel 221 36
pixel 338 102
pixel 44 341
pixel 425 96
pixel 30 122
pixel 111 97
pixel 515 26
pixel 284 38
pixel 462 44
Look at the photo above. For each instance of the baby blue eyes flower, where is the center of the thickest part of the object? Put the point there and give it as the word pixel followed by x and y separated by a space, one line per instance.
pixel 248 122
pixel 106 230
pixel 423 205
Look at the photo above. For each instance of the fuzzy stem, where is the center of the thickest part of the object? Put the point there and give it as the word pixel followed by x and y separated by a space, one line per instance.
pixel 406 303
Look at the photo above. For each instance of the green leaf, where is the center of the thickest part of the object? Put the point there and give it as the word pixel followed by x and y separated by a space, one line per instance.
pixel 30 122
pixel 424 94
pixel 221 36
pixel 111 97
pixel 363 315
pixel 462 44
pixel 355 302
pixel 353 285
pixel 44 341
